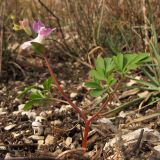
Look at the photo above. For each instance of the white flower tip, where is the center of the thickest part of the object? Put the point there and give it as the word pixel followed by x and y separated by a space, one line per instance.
pixel 25 45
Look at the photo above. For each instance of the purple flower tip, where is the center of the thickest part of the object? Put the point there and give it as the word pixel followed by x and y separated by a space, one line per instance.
pixel 45 31
pixel 37 25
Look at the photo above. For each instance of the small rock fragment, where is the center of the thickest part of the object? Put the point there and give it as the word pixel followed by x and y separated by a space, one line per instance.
pixel 37 128
pixel 40 119
pixel 20 107
pixel 9 127
pixel 40 142
pixel 65 108
pixel 56 123
pixel 68 141
pixel 73 95
pixel 49 140
pixel 36 137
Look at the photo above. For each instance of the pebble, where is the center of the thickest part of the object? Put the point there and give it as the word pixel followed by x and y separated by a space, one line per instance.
pixel 30 114
pixel 20 107
pixel 3 111
pixel 37 128
pixel 73 95
pixel 3 148
pixel 40 119
pixel 157 148
pixel 15 135
pixel 68 141
pixel 43 114
pixel 16 112
pixel 36 137
pixel 40 142
pixel 65 108
pixel 56 123
pixel 9 127
pixel 27 141
pixel 49 139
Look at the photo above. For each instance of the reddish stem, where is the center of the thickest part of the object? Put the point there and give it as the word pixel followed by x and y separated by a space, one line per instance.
pixel 86 131
pixel 109 99
pixel 82 115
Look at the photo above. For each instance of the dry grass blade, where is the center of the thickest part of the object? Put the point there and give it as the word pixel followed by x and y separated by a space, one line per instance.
pixel 144 118
pixel 73 151
pixel 122 107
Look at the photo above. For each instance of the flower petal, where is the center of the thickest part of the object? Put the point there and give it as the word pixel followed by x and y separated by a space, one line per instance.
pixel 45 31
pixel 26 45
pixel 37 25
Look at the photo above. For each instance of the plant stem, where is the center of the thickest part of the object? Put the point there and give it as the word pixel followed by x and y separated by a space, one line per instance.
pixel 109 99
pixel 86 131
pixel 82 115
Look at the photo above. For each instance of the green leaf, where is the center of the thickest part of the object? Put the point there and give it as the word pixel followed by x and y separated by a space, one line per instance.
pixel 97 75
pixel 119 62
pixel 149 85
pixel 47 83
pixel 151 77
pixel 97 92
pixel 37 95
pixel 100 63
pixel 38 47
pixel 110 80
pixel 109 65
pixel 28 89
pixel 35 102
pixel 92 85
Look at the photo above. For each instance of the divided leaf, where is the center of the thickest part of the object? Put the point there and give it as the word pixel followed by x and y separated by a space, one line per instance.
pixel 47 83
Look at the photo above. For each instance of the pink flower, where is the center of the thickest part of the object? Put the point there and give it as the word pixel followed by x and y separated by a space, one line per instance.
pixel 24 23
pixel 42 31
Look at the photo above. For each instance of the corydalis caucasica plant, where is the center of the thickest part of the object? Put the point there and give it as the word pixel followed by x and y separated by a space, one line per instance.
pixel 103 76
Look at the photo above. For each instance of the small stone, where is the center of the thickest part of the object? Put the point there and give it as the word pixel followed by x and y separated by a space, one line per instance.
pixel 20 107
pixel 40 119
pixel 30 114
pixel 27 141
pixel 36 124
pixel 59 65
pixel 49 139
pixel 65 108
pixel 73 95
pixel 56 123
pixel 3 148
pixel 132 82
pixel 68 141
pixel 36 137
pixel 40 142
pixel 43 114
pixel 37 128
pixel 16 112
pixel 9 127
pixel 3 111
pixel 56 110
pixel 157 149
pixel 15 135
